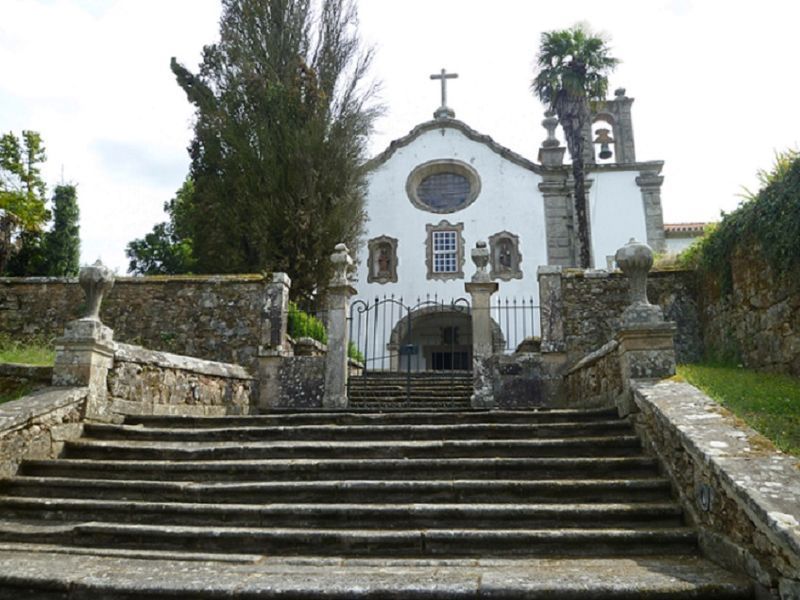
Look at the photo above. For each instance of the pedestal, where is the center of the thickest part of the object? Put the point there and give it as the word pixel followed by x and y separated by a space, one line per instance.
pixel 336 364
pixel 84 355
pixel 482 348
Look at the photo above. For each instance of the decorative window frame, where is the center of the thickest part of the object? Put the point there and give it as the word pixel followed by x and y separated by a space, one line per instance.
pixel 433 167
pixel 372 249
pixel 444 225
pixel 515 272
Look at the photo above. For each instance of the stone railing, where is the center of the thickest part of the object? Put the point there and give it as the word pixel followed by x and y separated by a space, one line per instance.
pixel 596 380
pixel 143 381
pixel 740 492
pixel 37 425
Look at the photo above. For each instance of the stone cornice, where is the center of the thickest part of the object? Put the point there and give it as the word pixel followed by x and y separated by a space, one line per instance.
pixel 465 129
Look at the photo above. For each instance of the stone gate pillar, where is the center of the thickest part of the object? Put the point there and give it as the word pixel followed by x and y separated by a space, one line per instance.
pixel 85 353
pixel 481 289
pixel 273 346
pixel 646 340
pixel 339 293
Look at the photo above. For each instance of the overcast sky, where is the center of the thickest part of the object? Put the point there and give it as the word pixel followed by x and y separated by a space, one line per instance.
pixel 715 84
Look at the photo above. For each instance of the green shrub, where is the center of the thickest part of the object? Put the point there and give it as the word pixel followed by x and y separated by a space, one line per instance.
pixel 302 324
pixel 354 353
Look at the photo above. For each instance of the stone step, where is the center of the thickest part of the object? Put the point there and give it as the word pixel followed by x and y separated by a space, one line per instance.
pixel 362 432
pixel 400 404
pixel 50 573
pixel 325 469
pixel 334 515
pixel 415 375
pixel 446 491
pixel 621 445
pixel 414 401
pixel 433 542
pixel 278 418
pixel 445 391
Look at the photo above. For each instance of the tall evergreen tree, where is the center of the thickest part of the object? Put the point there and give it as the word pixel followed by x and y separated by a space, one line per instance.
pixel 573 66
pixel 22 193
pixel 62 244
pixel 282 118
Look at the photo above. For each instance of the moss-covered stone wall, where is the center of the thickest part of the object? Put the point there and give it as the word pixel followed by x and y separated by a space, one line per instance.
pixel 213 317
pixel 757 321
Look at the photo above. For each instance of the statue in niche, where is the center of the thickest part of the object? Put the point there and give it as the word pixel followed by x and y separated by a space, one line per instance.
pixel 504 256
pixel 383 262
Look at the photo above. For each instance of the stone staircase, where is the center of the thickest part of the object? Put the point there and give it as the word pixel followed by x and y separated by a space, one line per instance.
pixel 425 390
pixel 418 504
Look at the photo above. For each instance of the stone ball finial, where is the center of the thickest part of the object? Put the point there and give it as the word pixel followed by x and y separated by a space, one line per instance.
pixel 96 280
pixel 636 259
pixel 480 256
pixel 342 263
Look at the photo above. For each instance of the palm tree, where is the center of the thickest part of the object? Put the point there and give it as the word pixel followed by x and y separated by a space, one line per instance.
pixel 572 66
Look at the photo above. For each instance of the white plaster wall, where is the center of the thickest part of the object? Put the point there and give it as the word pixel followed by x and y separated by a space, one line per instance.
pixel 616 213
pixel 509 200
pixel 676 245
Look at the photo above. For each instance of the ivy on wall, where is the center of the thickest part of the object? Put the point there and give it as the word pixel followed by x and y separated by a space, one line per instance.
pixel 768 219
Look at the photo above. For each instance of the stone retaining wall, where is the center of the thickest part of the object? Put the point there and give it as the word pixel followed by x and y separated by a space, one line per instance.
pixel 214 317
pixel 583 309
pixel 302 383
pixel 37 425
pixel 23 378
pixel 758 322
pixel 148 382
pixel 740 492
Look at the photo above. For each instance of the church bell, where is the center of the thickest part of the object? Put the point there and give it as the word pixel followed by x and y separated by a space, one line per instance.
pixel 605 141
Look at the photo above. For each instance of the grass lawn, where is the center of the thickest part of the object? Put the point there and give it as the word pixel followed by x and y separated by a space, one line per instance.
pixel 32 352
pixel 768 402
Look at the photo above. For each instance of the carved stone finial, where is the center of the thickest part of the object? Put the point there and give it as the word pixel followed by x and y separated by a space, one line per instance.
pixel 342 264
pixel 636 259
pixel 619 92
pixel 96 280
pixel 480 256
pixel 550 122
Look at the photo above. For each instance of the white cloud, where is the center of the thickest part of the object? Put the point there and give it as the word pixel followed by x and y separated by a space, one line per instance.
pixel 713 81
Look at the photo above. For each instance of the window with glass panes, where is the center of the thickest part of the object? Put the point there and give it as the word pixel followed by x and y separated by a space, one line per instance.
pixel 445 252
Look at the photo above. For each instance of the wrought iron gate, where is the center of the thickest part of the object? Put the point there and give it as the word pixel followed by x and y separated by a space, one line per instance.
pixel 403 346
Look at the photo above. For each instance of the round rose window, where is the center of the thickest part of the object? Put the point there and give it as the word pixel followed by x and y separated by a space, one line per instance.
pixel 443 186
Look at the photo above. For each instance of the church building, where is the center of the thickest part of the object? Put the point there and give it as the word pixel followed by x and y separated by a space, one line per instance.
pixel 433 194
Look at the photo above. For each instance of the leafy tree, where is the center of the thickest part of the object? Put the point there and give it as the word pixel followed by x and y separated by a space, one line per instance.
pixel 282 118
pixel 22 193
pixel 168 248
pixel 573 66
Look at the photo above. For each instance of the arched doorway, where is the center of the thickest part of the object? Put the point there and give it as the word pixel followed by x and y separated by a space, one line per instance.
pixel 433 337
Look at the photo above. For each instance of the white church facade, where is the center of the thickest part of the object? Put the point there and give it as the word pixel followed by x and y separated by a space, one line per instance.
pixel 433 194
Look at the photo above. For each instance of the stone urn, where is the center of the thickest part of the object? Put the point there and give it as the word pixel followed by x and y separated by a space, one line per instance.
pixel 96 280
pixel 342 265
pixel 636 259
pixel 480 257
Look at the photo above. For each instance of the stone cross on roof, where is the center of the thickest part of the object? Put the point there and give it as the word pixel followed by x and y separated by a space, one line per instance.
pixel 443 111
